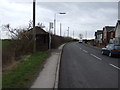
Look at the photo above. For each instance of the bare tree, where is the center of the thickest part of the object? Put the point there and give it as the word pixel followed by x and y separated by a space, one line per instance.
pixel 41 25
pixel 16 33
pixel 9 29
pixel 30 24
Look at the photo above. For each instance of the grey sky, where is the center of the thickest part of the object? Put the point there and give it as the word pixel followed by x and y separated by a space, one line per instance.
pixel 80 16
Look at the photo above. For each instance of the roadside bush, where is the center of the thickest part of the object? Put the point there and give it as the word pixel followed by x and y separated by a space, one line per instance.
pixel 8 55
pixel 58 40
pixel 20 44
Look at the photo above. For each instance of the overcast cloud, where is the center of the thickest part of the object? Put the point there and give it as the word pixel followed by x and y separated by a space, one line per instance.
pixel 81 17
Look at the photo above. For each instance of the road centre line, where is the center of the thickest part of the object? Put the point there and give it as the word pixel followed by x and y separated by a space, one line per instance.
pixel 95 56
pixel 99 58
pixel 78 47
pixel 114 66
pixel 85 51
pixel 82 49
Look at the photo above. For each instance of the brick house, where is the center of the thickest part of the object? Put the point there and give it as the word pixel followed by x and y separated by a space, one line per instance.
pixel 117 33
pixel 111 34
pixel 98 38
pixel 107 34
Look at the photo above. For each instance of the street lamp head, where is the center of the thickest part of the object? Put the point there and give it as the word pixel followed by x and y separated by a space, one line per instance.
pixel 62 13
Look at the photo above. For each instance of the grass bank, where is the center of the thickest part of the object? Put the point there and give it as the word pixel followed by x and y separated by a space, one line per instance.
pixel 24 73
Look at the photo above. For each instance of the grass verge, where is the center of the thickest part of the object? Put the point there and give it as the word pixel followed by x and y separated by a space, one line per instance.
pixel 23 74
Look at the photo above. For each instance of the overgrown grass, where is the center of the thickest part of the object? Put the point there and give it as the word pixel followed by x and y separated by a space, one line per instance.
pixel 23 74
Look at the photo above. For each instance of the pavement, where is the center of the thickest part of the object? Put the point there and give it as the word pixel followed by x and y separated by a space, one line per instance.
pixel 83 66
pixel 48 77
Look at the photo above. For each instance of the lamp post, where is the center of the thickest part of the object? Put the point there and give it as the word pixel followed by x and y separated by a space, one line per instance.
pixel 73 34
pixel 68 31
pixel 50 27
pixel 60 29
pixel 86 35
pixel 55 21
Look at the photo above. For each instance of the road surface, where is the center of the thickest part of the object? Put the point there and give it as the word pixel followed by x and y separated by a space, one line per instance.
pixel 83 66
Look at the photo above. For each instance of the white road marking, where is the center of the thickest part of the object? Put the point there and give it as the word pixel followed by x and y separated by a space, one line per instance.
pixel 114 66
pixel 96 56
pixel 85 51
pixel 82 49
pixel 78 47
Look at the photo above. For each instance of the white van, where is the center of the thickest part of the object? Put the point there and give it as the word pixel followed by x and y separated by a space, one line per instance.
pixel 80 41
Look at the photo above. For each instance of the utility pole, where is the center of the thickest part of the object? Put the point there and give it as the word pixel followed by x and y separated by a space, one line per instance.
pixel 118 10
pixel 64 34
pixel 60 29
pixel 54 24
pixel 34 31
pixel 86 35
pixel 55 15
pixel 50 27
pixel 68 31
pixel 73 34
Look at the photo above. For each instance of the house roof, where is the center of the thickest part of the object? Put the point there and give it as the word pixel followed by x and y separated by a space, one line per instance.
pixel 38 30
pixel 118 23
pixel 99 32
pixel 109 28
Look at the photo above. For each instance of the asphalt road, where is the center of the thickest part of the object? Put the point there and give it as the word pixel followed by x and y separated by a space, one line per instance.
pixel 83 66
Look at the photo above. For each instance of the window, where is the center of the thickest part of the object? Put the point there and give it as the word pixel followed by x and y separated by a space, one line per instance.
pixel 117 47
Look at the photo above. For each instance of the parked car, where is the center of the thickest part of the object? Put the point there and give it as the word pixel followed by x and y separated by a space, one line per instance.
pixel 111 50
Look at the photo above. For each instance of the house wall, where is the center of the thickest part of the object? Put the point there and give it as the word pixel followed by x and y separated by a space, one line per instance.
pixel 117 33
pixel 112 37
pixel 99 38
pixel 117 40
pixel 105 36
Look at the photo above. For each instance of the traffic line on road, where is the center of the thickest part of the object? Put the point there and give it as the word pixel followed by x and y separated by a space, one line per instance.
pixel 82 49
pixel 114 66
pixel 78 47
pixel 85 51
pixel 96 56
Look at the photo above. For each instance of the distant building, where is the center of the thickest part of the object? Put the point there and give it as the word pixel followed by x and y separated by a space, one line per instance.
pixel 98 37
pixel 117 33
pixel 111 35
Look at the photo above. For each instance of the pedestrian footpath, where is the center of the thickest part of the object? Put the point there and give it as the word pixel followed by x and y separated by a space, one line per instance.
pixel 48 77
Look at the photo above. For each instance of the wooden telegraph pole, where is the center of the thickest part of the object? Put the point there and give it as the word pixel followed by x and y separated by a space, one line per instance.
pixel 34 31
